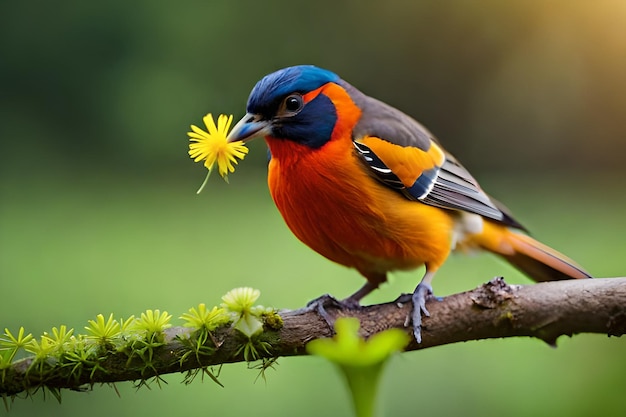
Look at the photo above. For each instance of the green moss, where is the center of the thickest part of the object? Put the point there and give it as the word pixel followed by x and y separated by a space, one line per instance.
pixel 272 320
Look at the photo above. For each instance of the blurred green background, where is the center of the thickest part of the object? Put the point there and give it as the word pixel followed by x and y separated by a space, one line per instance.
pixel 98 210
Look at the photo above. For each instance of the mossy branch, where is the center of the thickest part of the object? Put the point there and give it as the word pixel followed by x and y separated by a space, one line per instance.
pixel 493 310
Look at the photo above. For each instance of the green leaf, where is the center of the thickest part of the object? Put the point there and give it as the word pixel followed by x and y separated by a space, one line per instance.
pixel 360 361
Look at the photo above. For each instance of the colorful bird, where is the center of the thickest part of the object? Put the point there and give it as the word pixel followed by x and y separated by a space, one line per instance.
pixel 368 187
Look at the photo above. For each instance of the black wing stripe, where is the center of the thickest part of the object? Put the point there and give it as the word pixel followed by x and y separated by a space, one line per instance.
pixel 449 186
pixel 381 171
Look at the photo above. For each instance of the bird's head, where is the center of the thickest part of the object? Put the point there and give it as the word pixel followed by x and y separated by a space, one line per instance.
pixel 303 104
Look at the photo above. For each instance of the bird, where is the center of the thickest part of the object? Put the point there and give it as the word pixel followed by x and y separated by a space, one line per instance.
pixel 369 187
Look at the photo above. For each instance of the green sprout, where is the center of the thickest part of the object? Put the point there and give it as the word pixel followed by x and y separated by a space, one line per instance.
pixel 360 361
pixel 5 360
pixel 103 331
pixel 107 334
pixel 79 357
pixel 10 345
pixel 43 350
pixel 152 325
pixel 203 318
pixel 205 321
pixel 60 337
pixel 153 322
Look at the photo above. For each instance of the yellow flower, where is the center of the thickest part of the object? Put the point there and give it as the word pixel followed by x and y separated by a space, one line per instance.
pixel 211 146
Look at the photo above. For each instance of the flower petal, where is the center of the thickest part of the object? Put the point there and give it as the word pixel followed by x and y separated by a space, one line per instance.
pixel 199 131
pixel 198 136
pixel 210 124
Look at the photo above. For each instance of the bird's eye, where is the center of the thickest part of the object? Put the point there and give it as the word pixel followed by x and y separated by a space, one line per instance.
pixel 293 103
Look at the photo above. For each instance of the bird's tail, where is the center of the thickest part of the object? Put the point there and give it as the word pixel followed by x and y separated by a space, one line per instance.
pixel 538 261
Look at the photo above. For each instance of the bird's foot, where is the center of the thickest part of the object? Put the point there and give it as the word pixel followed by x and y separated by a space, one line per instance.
pixel 321 305
pixel 403 298
pixel 418 298
pixel 407 297
pixel 422 293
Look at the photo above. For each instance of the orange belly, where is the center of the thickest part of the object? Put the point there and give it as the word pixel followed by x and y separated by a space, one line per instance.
pixel 337 209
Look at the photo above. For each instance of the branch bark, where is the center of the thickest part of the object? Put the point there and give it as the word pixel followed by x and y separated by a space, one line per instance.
pixel 493 310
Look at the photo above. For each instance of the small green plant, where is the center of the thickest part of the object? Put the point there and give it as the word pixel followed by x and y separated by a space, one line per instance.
pixel 204 319
pixel 10 345
pixel 201 342
pixel 360 361
pixel 249 320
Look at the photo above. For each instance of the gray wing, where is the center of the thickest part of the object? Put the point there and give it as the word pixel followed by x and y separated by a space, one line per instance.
pixel 448 186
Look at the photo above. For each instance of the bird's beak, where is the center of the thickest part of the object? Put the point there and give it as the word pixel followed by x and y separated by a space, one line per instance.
pixel 249 127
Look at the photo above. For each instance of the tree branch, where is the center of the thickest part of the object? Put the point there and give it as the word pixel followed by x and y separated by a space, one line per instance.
pixel 496 309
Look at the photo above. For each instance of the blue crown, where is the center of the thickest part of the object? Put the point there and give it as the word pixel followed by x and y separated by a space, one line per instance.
pixel 272 88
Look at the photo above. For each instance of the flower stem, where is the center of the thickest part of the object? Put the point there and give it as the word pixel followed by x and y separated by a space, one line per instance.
pixel 363 384
pixel 206 179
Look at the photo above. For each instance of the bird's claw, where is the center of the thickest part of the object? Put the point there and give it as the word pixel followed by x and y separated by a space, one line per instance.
pixel 321 304
pixel 418 298
pixel 324 299
pixel 403 298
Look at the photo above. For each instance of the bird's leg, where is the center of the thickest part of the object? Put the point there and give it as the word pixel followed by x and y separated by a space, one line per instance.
pixel 353 301
pixel 423 291
pixel 320 304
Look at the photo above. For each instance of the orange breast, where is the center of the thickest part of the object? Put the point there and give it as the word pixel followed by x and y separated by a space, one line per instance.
pixel 331 203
